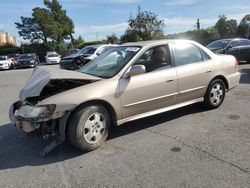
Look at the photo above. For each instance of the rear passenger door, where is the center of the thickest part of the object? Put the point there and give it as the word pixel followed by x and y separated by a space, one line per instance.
pixel 244 50
pixel 194 68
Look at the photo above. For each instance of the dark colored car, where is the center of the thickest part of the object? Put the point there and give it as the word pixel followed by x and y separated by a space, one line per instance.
pixel 27 60
pixel 86 54
pixel 70 52
pixel 238 47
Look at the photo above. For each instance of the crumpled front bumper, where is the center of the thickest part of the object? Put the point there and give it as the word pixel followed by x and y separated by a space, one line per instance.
pixel 26 126
pixel 53 127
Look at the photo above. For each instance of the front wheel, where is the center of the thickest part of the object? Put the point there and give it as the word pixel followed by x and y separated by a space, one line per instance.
pixel 215 94
pixel 88 128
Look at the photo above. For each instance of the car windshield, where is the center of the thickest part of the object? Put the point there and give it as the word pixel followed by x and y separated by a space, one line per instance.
pixel 88 50
pixel 219 44
pixel 25 57
pixel 110 62
pixel 53 55
pixel 2 58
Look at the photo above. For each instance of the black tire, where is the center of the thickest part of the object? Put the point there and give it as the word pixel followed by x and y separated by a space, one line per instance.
pixel 79 132
pixel 215 94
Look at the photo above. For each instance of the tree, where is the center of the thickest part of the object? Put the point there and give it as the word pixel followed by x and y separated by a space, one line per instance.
pixel 145 26
pixel 112 38
pixel 244 27
pixel 226 28
pixel 30 30
pixel 79 42
pixel 203 36
pixel 50 24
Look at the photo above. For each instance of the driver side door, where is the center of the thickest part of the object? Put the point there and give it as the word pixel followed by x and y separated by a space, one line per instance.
pixel 153 90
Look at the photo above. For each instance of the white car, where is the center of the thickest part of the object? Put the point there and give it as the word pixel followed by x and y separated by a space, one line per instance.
pixel 52 58
pixel 5 62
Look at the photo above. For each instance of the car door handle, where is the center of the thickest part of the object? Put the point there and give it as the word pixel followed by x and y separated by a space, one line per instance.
pixel 209 71
pixel 171 80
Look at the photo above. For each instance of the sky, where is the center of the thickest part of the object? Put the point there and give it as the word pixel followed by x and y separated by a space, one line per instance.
pixel 95 19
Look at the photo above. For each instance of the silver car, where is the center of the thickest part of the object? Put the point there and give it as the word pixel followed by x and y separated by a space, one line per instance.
pixel 125 83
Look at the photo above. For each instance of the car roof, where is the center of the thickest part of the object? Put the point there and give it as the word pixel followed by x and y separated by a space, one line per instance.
pixel 99 45
pixel 232 39
pixel 155 42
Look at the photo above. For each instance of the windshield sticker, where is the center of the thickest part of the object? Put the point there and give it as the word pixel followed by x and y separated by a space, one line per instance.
pixel 131 49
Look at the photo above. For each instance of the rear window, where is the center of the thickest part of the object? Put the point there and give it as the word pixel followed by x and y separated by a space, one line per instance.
pixel 53 55
pixel 219 43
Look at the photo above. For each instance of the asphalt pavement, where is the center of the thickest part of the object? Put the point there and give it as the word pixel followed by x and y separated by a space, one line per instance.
pixel 185 148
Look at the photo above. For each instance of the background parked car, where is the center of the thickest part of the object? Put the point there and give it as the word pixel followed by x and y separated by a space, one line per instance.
pixel 52 58
pixel 27 60
pixel 5 62
pixel 238 47
pixel 70 52
pixel 86 54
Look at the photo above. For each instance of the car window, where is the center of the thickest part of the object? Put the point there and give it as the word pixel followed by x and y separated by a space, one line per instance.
pixel 2 58
pixel 204 55
pixel 186 53
pixel 100 51
pixel 244 42
pixel 109 63
pixel 156 58
pixel 234 43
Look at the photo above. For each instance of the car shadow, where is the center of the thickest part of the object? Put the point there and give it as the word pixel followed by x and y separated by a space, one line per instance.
pixel 245 76
pixel 18 149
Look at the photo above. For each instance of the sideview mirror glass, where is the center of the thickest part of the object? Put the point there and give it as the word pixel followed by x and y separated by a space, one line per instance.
pixel 136 69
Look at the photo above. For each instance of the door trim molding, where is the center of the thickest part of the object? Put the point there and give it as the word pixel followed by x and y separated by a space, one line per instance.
pixel 149 100
pixel 146 114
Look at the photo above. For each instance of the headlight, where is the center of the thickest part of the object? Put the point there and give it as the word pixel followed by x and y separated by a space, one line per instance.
pixel 35 112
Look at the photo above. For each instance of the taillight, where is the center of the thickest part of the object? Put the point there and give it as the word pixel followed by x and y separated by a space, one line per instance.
pixel 236 66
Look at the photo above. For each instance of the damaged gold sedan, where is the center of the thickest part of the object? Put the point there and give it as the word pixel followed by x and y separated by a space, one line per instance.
pixel 125 83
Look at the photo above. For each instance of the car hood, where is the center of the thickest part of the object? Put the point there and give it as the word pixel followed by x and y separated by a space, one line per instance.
pixel 42 76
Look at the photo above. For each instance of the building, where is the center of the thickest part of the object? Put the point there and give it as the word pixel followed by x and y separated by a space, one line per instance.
pixel 5 38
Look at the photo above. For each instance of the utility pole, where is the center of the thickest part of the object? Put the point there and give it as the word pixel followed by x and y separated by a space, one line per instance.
pixel 198 25
pixel 97 37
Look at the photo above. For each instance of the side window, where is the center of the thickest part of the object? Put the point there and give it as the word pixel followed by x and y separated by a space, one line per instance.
pixel 100 51
pixel 185 53
pixel 156 58
pixel 205 57
pixel 244 42
pixel 234 43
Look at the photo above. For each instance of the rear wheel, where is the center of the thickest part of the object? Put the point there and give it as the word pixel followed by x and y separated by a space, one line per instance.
pixel 215 94
pixel 89 127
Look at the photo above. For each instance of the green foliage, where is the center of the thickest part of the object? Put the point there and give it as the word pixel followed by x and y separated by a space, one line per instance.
pixel 30 30
pixel 145 26
pixel 47 25
pixel 79 42
pixel 244 26
pixel 112 38
pixel 6 50
pixel 226 28
pixel 203 36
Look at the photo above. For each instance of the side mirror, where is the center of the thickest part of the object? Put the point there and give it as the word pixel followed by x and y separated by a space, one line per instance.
pixel 229 46
pixel 136 69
